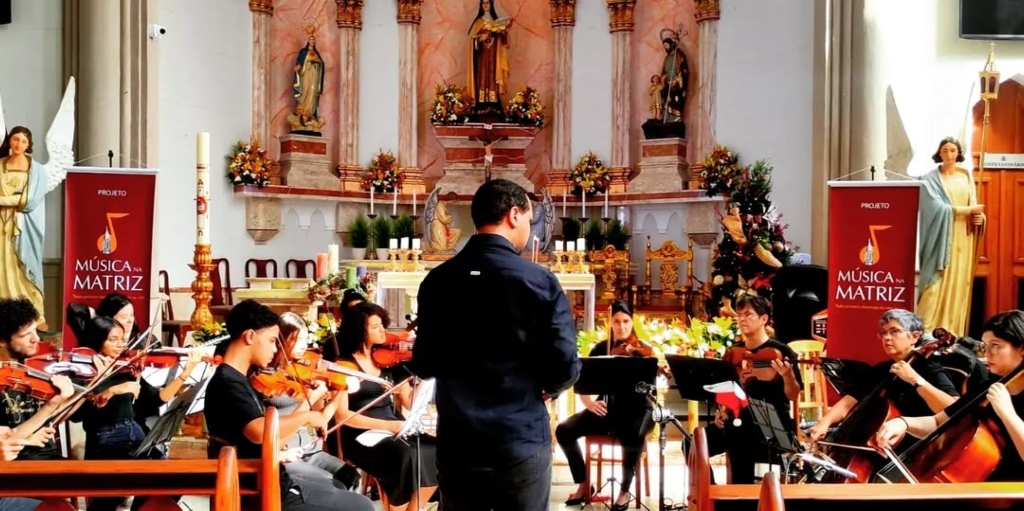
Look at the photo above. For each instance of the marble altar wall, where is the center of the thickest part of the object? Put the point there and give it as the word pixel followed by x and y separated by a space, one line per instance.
pixel 287 37
pixel 647 55
pixel 591 111
pixel 443 53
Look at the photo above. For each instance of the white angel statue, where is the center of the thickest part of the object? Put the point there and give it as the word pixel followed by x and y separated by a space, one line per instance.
pixel 543 223
pixel 440 237
pixel 24 184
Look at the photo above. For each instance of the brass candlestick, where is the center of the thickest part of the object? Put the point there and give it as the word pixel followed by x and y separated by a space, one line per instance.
pixel 559 255
pixel 202 286
pixel 414 260
pixel 393 257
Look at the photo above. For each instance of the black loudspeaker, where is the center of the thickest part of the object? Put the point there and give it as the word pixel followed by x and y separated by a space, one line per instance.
pixel 798 292
pixel 5 12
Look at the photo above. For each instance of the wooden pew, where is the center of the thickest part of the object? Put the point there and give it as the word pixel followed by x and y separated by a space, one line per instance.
pixel 703 496
pixel 94 478
pixel 227 495
pixel 771 496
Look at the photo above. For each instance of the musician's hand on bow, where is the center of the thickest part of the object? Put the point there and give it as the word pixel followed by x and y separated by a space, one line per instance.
pixel 63 384
pixel 10 444
pixel 890 433
pixel 194 358
pixel 598 408
pixel 819 430
pixel 783 367
pixel 102 363
pixel 318 422
pixel 999 397
pixel 721 415
pixel 41 437
pixel 906 373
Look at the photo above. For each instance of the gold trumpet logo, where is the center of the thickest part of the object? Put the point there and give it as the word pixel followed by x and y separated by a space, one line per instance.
pixel 871 254
pixel 107 243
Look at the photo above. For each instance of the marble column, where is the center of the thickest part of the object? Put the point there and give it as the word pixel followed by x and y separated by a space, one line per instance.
pixel 702 135
pixel 262 11
pixel 620 22
pixel 408 53
pixel 350 23
pixel 563 20
pixel 99 86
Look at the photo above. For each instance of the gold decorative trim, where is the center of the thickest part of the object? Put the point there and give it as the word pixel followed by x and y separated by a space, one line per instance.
pixel 705 10
pixel 264 6
pixel 563 13
pixel 350 14
pixel 409 12
pixel 620 15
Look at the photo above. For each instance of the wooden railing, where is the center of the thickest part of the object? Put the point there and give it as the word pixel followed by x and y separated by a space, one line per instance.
pixel 703 495
pixel 226 478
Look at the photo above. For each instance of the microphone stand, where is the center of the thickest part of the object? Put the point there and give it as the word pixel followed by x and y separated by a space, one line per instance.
pixel 663 417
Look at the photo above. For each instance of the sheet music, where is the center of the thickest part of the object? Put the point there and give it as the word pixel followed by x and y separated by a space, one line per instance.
pixel 422 396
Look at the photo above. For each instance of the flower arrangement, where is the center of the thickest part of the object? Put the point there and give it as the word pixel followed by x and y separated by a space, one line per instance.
pixel 383 174
pixel 328 290
pixel 248 164
pixel 208 332
pixel 322 329
pixel 450 103
pixel 722 172
pixel 710 339
pixel 589 176
pixel 698 339
pixel 525 108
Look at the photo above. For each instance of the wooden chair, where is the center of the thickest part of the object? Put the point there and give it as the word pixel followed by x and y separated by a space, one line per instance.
pixel 813 395
pixel 699 496
pixel 300 268
pixel 223 295
pixel 669 254
pixel 176 329
pixel 227 496
pixel 610 260
pixel 265 268
pixel 595 449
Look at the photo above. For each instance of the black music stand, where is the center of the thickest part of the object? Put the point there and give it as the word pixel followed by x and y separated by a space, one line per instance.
pixel 692 374
pixel 776 437
pixel 164 428
pixel 615 375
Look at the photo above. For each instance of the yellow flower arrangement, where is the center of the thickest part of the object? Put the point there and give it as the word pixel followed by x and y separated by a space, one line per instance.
pixel 322 329
pixel 698 339
pixel 450 104
pixel 383 174
pixel 525 108
pixel 248 164
pixel 208 332
pixel 589 176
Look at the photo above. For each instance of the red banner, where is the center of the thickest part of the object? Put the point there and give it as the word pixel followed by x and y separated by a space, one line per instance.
pixel 872 260
pixel 108 238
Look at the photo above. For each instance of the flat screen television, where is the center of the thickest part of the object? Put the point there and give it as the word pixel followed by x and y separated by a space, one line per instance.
pixel 992 19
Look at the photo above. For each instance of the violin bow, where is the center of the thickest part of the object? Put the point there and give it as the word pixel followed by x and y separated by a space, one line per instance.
pixel 290 371
pixel 369 405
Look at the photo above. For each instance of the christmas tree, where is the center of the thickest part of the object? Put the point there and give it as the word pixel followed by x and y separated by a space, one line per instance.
pixel 753 245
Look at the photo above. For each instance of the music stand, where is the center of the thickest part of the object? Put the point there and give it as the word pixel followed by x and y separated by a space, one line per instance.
pixel 168 423
pixel 692 374
pixel 615 375
pixel 776 436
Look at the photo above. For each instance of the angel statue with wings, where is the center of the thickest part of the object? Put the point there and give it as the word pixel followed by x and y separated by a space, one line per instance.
pixel 543 223
pixel 24 184
pixel 439 235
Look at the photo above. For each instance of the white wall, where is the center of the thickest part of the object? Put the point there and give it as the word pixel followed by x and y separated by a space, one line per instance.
pixel 591 82
pixel 378 80
pixel 765 98
pixel 31 88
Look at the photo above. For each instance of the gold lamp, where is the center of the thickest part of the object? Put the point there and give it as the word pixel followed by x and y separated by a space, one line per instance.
pixel 990 78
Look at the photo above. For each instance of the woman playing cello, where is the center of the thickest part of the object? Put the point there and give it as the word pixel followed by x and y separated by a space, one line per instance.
pixel 1003 336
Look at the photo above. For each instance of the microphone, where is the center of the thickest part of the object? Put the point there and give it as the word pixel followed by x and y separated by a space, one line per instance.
pixel 646 388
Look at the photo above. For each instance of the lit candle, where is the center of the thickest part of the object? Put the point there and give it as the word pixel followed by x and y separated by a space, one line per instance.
pixel 606 194
pixel 416 244
pixel 321 265
pixel 564 197
pixel 414 203
pixel 394 204
pixel 570 246
pixel 371 199
pixel 404 244
pixel 202 188
pixel 333 264
pixel 581 244
pixel 536 247
pixel 559 246
pixel 583 205
pixel 393 243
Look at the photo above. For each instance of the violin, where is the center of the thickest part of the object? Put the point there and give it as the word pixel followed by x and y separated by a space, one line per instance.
pixel 340 372
pixel 631 347
pixel 24 379
pixel 397 350
pixel 276 382
pixel 751 365
pixel 165 357
pixel 76 363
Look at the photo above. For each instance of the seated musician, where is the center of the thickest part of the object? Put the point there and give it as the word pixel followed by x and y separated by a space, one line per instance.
pixel 119 308
pixel 919 387
pixel 10 445
pixel 234 411
pixel 350 298
pixel 302 462
pixel 111 429
pixel 626 416
pixel 1003 336
pixel 745 443
pixel 394 462
pixel 19 340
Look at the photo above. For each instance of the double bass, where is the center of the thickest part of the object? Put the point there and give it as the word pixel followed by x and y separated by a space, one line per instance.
pixel 854 433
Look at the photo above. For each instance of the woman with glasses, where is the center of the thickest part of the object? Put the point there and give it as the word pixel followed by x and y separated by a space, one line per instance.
pixel 1003 336
pixel 915 387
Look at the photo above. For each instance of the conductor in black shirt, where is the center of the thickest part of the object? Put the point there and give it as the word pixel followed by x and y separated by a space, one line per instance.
pixel 496 332
pixel 745 444
pixel 915 388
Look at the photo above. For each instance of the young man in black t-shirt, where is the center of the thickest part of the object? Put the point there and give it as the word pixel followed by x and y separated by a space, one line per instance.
pixel 746 444
pixel 235 415
pixel 920 387
pixel 19 411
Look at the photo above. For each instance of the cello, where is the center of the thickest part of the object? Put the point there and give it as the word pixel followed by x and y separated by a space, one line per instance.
pixel 852 435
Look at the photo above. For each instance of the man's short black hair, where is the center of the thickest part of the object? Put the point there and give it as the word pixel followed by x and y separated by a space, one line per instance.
pixel 494 199
pixel 249 315
pixel 15 314
pixel 759 304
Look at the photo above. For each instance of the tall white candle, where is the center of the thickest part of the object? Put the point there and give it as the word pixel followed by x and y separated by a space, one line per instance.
pixel 202 188
pixel 393 243
pixel 394 204
pixel 403 243
pixel 606 194
pixel 333 262
pixel 583 206
pixel 581 244
pixel 414 203
pixel 570 246
pixel 371 199
pixel 565 195
pixel 416 244
pixel 559 246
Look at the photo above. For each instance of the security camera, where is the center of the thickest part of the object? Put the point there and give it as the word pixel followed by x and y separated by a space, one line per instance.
pixel 157 31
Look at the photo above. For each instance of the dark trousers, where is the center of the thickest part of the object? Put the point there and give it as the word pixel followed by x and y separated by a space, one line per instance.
pixel 630 431
pixel 524 485
pixel 114 442
pixel 744 445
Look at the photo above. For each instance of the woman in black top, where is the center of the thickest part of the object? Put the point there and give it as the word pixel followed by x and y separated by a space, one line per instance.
pixel 625 416
pixel 394 462
pixel 1003 336
pixel 111 431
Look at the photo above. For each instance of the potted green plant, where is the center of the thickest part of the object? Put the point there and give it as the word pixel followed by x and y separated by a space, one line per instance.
pixel 359 236
pixel 404 227
pixel 571 230
pixel 618 235
pixel 383 230
pixel 594 235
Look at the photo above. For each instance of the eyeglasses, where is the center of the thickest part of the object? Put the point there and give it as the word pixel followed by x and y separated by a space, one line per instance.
pixel 991 348
pixel 892 332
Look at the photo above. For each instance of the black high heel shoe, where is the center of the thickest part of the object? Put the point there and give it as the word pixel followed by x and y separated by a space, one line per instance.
pixel 621 507
pixel 580 500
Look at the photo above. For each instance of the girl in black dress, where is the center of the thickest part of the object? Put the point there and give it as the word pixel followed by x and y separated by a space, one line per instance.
pixel 394 462
pixel 626 417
